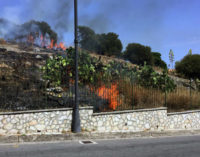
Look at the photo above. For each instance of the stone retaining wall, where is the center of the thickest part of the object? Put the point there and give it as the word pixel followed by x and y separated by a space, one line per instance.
pixel 183 120
pixel 58 121
pixel 138 120
pixel 42 121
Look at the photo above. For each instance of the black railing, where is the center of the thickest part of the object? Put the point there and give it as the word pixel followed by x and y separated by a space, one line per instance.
pixel 22 88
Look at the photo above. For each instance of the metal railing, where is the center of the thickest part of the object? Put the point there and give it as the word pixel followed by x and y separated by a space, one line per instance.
pixel 22 88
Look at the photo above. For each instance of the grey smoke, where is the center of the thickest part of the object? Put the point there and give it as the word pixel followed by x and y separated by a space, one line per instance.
pixel 59 14
pixel 107 16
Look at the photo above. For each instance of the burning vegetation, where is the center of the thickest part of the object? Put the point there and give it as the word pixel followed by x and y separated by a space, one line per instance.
pixel 33 33
pixel 44 78
pixel 111 94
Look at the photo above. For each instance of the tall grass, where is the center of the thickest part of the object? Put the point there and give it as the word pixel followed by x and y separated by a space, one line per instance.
pixel 134 96
pixel 181 100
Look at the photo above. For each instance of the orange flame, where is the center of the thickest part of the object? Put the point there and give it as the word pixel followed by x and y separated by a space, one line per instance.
pixel 51 44
pixel 30 39
pixel 42 40
pixel 111 94
pixel 62 46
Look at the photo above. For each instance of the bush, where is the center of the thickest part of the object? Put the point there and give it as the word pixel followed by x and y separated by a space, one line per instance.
pixel 189 66
pixel 109 44
pixel 61 69
pixel 157 61
pixel 147 77
pixel 138 54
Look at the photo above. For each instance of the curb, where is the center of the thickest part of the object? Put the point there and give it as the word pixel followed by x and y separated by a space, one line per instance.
pixel 93 136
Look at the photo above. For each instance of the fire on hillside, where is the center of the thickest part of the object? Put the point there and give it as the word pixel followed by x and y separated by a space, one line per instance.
pixel 43 41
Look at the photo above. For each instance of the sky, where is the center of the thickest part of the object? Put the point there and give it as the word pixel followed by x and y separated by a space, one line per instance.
pixel 160 24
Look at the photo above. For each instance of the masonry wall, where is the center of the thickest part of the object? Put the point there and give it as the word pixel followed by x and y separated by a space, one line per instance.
pixel 58 121
pixel 136 120
pixel 183 120
pixel 42 121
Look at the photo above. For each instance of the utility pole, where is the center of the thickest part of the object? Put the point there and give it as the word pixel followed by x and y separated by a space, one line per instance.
pixel 75 115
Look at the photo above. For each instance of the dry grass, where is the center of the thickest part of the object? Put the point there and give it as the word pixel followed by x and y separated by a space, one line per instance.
pixel 180 100
pixel 137 97
pixel 2 41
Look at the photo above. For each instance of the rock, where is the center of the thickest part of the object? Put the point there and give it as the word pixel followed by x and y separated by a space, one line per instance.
pixel 3 49
pixel 101 129
pixel 40 127
pixel 129 117
pixel 33 122
pixel 130 123
pixel 32 128
pixel 14 120
pixel 38 57
pixel 171 126
pixel 147 126
pixel 4 121
pixel 100 123
pixel 2 132
pixel 19 127
pixel 36 49
pixel 28 64
pixel 13 131
pixel 51 57
pixel 8 126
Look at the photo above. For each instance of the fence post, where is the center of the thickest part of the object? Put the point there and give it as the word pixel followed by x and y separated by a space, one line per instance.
pixel 190 92
pixel 132 91
pixel 165 94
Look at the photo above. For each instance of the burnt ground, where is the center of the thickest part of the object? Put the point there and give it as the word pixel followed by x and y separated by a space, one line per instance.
pixel 22 86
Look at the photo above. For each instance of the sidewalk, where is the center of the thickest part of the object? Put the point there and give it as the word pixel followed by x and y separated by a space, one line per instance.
pixel 93 136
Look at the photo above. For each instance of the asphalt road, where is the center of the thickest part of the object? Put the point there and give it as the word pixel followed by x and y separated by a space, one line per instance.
pixel 150 147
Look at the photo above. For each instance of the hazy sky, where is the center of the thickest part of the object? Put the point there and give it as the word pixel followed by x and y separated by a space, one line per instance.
pixel 160 24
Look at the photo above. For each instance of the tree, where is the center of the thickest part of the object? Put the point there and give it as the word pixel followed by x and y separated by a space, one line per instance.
pixel 157 61
pixel 138 54
pixel 35 26
pixel 189 66
pixel 105 44
pixel 87 38
pixel 45 28
pixel 171 57
pixel 109 44
pixel 190 52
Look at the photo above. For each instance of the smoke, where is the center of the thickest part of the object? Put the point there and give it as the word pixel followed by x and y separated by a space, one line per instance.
pixel 141 19
pixel 54 12
pixel 60 15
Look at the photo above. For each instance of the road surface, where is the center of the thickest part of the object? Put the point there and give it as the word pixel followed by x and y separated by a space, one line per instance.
pixel 150 147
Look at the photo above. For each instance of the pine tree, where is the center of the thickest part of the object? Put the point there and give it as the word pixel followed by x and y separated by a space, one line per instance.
pixel 171 57
pixel 190 52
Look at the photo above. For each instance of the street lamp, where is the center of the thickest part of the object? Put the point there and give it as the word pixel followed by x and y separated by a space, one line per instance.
pixel 75 115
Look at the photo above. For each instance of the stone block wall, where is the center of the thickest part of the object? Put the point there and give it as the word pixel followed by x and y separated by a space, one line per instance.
pixel 183 120
pixel 136 120
pixel 42 121
pixel 57 121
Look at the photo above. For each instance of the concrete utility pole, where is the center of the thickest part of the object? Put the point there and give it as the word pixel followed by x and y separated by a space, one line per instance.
pixel 76 116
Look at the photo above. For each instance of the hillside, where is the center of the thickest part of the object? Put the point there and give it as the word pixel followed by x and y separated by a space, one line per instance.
pixel 39 55
pixel 22 86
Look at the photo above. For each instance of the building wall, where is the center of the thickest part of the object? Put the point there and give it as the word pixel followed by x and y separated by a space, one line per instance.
pixel 56 121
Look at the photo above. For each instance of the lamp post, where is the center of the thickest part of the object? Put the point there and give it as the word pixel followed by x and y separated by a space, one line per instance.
pixel 75 115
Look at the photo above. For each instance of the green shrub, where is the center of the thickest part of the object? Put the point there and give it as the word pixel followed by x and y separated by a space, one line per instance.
pixel 189 66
